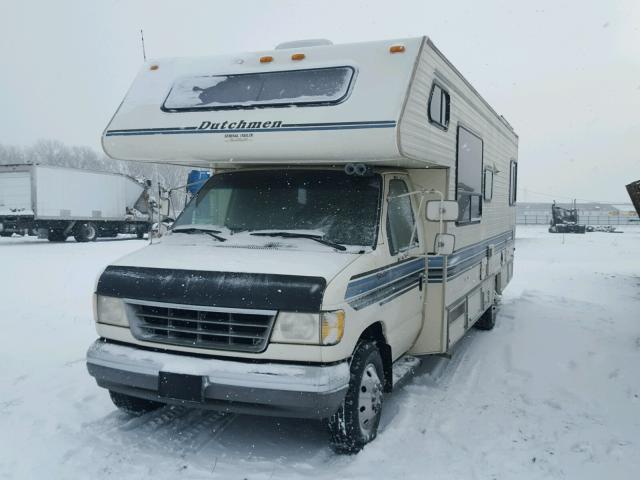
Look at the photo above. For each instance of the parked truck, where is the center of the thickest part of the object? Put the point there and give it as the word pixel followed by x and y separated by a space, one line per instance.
pixel 565 220
pixel 63 202
pixel 362 214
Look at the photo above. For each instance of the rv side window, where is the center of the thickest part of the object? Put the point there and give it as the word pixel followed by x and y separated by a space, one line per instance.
pixel 513 182
pixel 400 220
pixel 488 185
pixel 317 86
pixel 439 106
pixel 469 176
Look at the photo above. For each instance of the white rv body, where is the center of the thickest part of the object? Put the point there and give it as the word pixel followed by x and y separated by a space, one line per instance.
pixel 410 299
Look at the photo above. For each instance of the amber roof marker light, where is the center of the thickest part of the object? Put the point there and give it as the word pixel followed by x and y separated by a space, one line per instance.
pixel 298 56
pixel 266 59
pixel 153 67
pixel 396 49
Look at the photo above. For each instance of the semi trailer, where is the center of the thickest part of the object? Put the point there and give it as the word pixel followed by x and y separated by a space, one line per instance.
pixel 61 202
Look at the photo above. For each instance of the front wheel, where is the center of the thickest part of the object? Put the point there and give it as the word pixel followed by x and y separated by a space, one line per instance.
pixel 356 422
pixel 133 405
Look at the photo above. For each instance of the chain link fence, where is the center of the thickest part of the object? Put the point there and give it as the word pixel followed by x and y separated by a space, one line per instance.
pixel 584 220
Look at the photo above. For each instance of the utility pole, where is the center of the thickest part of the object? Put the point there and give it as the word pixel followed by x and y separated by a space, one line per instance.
pixel 144 53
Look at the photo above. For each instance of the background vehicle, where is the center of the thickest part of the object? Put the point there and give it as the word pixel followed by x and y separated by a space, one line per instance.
pixel 565 220
pixel 634 193
pixel 67 202
pixel 371 221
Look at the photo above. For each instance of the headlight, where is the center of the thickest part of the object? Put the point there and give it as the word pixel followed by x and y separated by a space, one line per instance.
pixel 325 328
pixel 111 310
pixel 293 327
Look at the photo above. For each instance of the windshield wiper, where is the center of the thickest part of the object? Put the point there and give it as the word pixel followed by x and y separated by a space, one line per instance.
pixel 211 233
pixel 316 238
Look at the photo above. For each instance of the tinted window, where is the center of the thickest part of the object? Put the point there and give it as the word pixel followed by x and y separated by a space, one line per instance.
pixel 513 182
pixel 320 85
pixel 439 106
pixel 343 208
pixel 469 176
pixel 400 221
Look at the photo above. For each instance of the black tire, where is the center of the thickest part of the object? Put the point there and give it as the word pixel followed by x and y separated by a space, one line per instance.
pixel 133 405
pixel 6 234
pixel 56 236
pixel 140 234
pixel 356 422
pixel 85 232
pixel 488 319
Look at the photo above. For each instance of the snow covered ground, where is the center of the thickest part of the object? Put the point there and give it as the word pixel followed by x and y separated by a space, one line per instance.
pixel 552 392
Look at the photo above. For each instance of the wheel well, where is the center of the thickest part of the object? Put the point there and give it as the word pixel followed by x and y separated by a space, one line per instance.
pixel 375 333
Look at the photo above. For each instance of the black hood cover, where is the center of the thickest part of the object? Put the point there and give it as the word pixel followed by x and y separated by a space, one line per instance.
pixel 215 289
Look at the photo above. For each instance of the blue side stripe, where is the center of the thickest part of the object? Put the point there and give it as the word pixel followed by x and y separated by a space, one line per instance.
pixel 297 128
pixel 383 277
pixel 465 258
pixel 459 262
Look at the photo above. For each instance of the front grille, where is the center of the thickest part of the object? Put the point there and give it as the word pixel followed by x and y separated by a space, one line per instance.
pixel 226 329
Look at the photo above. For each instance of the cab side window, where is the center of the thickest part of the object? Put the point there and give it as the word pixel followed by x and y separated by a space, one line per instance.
pixel 400 219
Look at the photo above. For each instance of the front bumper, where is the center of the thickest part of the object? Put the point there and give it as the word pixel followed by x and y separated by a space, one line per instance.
pixel 304 391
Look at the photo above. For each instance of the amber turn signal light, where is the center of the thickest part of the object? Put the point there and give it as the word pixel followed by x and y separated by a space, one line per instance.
pixel 297 56
pixel 396 49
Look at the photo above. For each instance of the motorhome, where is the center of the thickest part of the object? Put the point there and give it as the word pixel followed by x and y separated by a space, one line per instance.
pixel 361 214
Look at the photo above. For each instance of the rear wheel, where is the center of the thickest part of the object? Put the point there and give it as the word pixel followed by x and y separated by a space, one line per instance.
pixel 133 405
pixel 356 422
pixel 488 319
pixel 56 236
pixel 86 232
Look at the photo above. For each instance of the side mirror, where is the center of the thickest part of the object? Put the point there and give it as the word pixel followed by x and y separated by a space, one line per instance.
pixel 447 209
pixel 444 244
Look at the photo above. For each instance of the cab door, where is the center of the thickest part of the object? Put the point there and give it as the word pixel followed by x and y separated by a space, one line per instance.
pixel 404 282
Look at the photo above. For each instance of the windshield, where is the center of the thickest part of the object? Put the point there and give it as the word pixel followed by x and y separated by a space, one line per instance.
pixel 342 208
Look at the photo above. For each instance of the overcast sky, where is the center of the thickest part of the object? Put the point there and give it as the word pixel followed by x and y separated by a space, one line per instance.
pixel 566 74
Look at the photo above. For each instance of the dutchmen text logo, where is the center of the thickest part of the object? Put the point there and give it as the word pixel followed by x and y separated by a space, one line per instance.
pixel 239 125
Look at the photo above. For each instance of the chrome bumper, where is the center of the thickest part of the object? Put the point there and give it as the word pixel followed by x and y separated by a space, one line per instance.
pixel 306 391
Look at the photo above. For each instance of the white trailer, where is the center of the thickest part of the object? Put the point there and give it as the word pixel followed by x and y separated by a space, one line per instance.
pixel 315 260
pixel 67 201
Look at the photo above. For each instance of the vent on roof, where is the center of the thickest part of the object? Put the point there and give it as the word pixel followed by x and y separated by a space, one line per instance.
pixel 312 42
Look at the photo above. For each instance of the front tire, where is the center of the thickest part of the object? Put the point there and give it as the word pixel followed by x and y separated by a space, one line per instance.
pixel 133 405
pixel 356 422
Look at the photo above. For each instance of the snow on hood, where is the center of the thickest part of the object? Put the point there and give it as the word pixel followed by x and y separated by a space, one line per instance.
pixel 244 254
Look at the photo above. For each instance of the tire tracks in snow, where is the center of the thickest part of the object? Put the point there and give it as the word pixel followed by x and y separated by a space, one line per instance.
pixel 175 430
